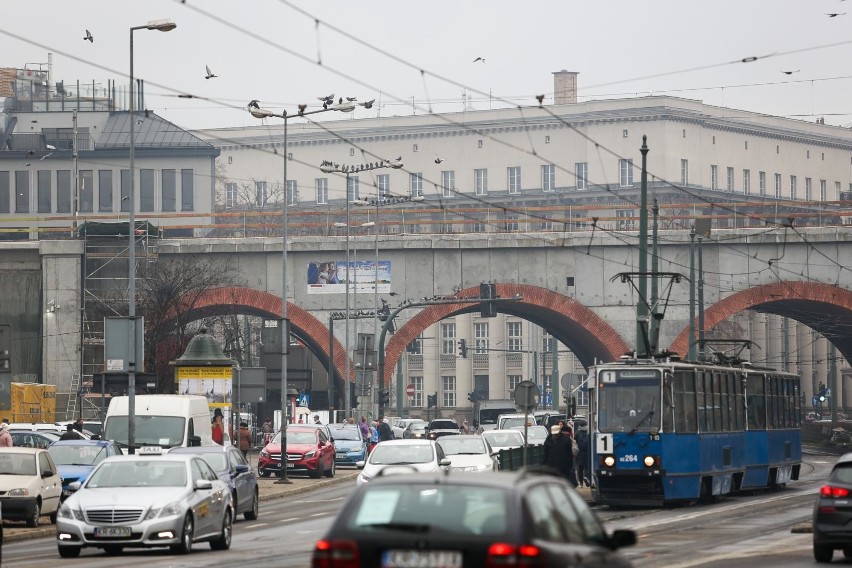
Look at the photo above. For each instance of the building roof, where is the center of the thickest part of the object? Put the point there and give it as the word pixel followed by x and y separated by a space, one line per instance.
pixel 151 131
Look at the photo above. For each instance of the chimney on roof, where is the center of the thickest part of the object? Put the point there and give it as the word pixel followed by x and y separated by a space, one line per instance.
pixel 565 87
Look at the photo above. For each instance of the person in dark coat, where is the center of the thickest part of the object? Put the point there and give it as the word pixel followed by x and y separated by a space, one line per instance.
pixel 385 432
pixel 70 433
pixel 559 455
pixel 582 438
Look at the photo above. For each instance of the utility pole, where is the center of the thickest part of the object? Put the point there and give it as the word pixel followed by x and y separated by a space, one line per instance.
pixel 641 306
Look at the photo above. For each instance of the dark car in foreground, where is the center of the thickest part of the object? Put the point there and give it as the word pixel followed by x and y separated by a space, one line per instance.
pixel 461 520
pixel 832 517
pixel 232 468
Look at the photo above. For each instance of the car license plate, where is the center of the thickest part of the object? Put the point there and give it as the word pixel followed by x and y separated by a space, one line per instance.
pixel 422 559
pixel 112 531
pixel 291 465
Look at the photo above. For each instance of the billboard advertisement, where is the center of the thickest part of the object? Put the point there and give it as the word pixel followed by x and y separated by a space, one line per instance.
pixel 331 277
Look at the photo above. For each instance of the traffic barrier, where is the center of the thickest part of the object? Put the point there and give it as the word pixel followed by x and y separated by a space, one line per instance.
pixel 511 459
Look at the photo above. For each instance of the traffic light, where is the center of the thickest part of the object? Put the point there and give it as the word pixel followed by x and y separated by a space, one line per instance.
pixel 353 396
pixel 463 348
pixel 823 392
pixel 573 405
pixel 431 400
pixel 471 396
pixel 384 398
pixel 486 292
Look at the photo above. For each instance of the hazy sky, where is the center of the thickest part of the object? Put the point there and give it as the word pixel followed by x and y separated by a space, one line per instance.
pixel 270 50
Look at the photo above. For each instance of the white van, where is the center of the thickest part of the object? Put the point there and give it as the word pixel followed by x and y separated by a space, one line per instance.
pixel 165 420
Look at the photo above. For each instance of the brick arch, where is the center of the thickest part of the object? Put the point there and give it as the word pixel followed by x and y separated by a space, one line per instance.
pixel 313 332
pixel 822 307
pixel 566 319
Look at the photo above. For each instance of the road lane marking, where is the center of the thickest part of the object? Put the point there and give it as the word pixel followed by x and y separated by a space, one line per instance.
pixel 319 514
pixel 319 500
pixel 257 525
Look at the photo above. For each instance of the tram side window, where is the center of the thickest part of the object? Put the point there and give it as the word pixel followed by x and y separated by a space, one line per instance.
pixel 684 396
pixel 737 401
pixel 756 402
pixel 704 394
pixel 721 386
pixel 774 403
pixel 668 404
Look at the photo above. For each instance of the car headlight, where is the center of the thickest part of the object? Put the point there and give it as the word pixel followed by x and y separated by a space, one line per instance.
pixel 264 454
pixel 484 467
pixel 67 512
pixel 170 510
pixel 19 492
pixel 311 454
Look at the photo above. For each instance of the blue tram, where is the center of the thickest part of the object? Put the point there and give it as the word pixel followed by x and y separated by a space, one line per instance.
pixel 668 431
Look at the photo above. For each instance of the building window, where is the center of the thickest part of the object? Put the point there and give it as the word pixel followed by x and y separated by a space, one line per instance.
pixel 352 186
pixel 187 190
pixel 714 177
pixel 321 186
pixel 416 346
pixel 414 148
pixel 63 192
pixel 6 193
pixel 808 189
pixel 351 151
pixel 169 190
pixel 777 186
pixel 478 227
pixel 822 190
pixel 22 192
pixel 87 191
pixel 837 190
pixel 746 182
pixel 547 139
pixel 448 339
pixel 415 184
pixel 448 391
pixel 417 399
pixel 548 177
pixel 480 181
pixel 515 335
pixel 261 195
pixel 625 173
pixel 480 337
pixel 581 173
pixel 230 195
pixel 511 223
pixel 125 190
pixel 448 182
pixel 292 192
pixel 479 143
pixel 684 172
pixel 746 144
pixel 43 180
pixel 624 219
pixel 383 186
pixel 105 190
pixel 514 179
pixel 730 179
pixel 761 183
pixel 146 191
pixel 792 187
pixel 514 381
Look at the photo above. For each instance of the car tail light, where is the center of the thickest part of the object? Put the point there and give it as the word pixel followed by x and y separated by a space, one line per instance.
pixel 502 554
pixel 833 492
pixel 336 554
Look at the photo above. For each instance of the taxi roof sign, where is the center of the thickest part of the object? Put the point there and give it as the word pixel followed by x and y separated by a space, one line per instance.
pixel 150 451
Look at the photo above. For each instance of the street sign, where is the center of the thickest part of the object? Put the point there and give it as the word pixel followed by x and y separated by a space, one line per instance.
pixel 548 399
pixel 409 390
pixel 527 395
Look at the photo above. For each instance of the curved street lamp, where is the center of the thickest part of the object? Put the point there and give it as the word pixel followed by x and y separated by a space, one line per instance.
pixel 257 111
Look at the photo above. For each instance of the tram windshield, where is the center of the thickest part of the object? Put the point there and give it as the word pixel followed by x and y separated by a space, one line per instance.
pixel 629 400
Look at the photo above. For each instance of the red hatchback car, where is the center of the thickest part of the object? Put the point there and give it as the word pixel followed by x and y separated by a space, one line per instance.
pixel 308 450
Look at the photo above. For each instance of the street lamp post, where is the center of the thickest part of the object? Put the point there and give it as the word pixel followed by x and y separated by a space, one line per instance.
pixel 331 167
pixel 258 112
pixel 162 26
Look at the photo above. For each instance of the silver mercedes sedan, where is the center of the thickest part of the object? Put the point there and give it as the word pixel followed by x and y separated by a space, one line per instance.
pixel 145 500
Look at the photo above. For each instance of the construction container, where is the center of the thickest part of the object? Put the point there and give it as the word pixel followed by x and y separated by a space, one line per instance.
pixel 31 402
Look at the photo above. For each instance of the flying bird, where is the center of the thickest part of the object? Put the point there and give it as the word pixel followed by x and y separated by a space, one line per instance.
pixel 368 104
pixel 329 97
pixel 89 37
pixel 790 72
pixel 351 99
pixel 835 14
pixel 540 99
pixel 438 159
pixel 479 59
pixel 210 74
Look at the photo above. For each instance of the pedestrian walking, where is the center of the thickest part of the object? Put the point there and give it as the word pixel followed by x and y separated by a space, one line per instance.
pixel 317 419
pixel 559 455
pixel 245 443
pixel 582 439
pixel 217 427
pixel 267 430
pixel 5 436
pixel 70 433
pixel 385 432
pixel 364 427
pixel 466 426
pixel 374 435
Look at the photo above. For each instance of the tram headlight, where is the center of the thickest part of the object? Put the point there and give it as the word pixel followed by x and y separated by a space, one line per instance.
pixel 609 461
pixel 650 461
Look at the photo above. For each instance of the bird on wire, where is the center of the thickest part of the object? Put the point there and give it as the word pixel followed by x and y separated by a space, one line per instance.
pixel 210 74
pixel 540 99
pixel 835 14
pixel 790 72
pixel 351 99
pixel 482 59
pixel 89 37
pixel 254 103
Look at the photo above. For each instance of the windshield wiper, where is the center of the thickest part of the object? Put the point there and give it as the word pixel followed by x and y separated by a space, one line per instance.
pixel 644 418
pixel 406 527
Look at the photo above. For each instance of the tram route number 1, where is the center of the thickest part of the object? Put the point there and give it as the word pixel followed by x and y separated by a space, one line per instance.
pixel 603 444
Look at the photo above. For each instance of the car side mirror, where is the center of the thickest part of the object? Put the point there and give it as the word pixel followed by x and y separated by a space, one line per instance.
pixel 331 440
pixel 203 484
pixel 445 462
pixel 95 437
pixel 74 485
pixel 241 468
pixel 194 441
pixel 360 464
pixel 621 538
pixel 46 474
pixel 322 443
